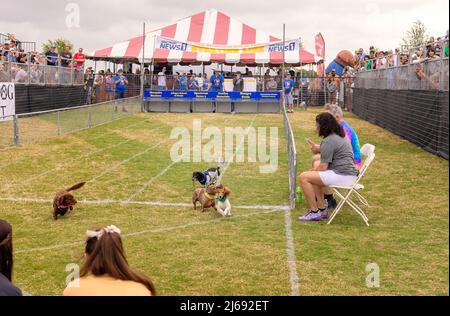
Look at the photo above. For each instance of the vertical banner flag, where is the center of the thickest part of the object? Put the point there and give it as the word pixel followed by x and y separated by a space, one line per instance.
pixel 7 101
pixel 320 46
pixel 320 70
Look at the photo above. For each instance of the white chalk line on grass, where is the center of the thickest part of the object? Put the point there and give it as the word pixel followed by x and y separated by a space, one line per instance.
pixel 149 203
pixel 27 180
pixel 123 162
pixel 110 131
pixel 30 179
pixel 235 152
pixel 150 231
pixel 290 250
pixel 146 185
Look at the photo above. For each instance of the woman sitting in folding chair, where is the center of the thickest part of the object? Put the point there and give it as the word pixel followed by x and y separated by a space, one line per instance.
pixel 337 167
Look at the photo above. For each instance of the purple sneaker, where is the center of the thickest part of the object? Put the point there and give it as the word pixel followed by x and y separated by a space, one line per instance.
pixel 324 214
pixel 310 216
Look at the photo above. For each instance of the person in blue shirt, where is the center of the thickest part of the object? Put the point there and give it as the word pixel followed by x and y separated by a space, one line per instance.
pixel 205 82
pixel 193 83
pixel 121 83
pixel 289 85
pixel 183 82
pixel 216 81
pixel 52 57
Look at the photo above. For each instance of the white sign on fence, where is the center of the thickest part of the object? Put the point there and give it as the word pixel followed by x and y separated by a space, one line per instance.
pixel 7 101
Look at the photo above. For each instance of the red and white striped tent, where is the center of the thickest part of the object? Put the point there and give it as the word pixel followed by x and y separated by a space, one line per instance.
pixel 210 28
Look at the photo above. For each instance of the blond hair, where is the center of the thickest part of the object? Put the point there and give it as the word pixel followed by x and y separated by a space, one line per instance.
pixel 335 110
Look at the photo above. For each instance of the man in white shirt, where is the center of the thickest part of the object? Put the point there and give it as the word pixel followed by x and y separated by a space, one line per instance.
pixel 20 74
pixel 381 63
pixel 162 85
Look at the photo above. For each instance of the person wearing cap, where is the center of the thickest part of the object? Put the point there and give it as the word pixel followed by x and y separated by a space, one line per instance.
pixel 121 83
pixel 66 57
pixel 238 86
pixel 4 52
pixel 216 81
pixel 289 85
pixel 216 85
pixel 162 80
pixel 52 56
pixel 79 59
pixel 193 82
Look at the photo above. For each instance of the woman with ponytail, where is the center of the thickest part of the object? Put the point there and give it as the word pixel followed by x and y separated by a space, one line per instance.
pixel 106 271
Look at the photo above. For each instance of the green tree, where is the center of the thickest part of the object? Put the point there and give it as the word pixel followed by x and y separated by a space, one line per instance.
pixel 416 36
pixel 60 44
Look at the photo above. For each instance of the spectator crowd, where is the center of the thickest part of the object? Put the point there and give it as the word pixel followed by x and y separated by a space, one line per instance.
pixel 52 67
pixel 375 58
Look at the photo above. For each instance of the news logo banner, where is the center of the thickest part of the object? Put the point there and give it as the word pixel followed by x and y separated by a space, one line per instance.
pixel 174 45
pixel 7 101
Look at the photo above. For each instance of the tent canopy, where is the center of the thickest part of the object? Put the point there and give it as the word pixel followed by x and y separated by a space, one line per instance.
pixel 209 28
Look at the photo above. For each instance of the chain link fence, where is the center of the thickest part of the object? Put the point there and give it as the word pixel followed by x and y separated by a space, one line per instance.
pixel 32 127
pixel 292 158
pixel 411 101
pixel 424 75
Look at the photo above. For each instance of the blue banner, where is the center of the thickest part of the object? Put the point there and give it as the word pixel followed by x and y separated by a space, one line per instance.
pixel 271 96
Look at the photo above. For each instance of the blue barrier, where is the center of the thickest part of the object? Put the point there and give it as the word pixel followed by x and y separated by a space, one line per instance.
pixel 270 96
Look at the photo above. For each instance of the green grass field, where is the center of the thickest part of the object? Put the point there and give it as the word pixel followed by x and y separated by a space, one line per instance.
pixel 186 252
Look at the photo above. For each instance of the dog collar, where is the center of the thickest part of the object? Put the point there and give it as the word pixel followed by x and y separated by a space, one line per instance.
pixel 63 206
pixel 222 200
pixel 209 196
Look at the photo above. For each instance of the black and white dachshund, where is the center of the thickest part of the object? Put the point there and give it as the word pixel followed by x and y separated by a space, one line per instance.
pixel 208 177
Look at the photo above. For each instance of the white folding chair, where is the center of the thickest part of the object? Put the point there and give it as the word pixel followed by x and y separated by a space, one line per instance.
pixel 368 151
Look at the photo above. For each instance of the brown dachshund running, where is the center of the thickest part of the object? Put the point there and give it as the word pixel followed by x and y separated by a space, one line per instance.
pixel 64 201
pixel 206 197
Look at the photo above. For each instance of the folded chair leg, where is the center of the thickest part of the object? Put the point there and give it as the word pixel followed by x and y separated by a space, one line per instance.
pixel 362 199
pixel 358 210
pixel 340 205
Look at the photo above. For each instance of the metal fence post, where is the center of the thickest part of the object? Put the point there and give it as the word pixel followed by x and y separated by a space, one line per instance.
pixel 441 71
pixel 45 71
pixel 58 123
pixel 29 67
pixel 16 130
pixel 90 116
pixel 72 79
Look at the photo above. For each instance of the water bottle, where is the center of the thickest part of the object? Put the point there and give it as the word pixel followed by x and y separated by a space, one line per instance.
pixel 325 204
pixel 299 195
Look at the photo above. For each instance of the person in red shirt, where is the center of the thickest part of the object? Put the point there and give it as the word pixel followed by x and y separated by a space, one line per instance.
pixel 79 59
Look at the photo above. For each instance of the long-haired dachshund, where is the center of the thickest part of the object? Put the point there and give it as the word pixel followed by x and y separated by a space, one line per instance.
pixel 64 201
pixel 223 201
pixel 206 197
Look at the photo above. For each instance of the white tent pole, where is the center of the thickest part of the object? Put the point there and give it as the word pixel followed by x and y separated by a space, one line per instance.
pixel 152 67
pixel 264 79
pixel 143 62
pixel 283 65
pixel 300 86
